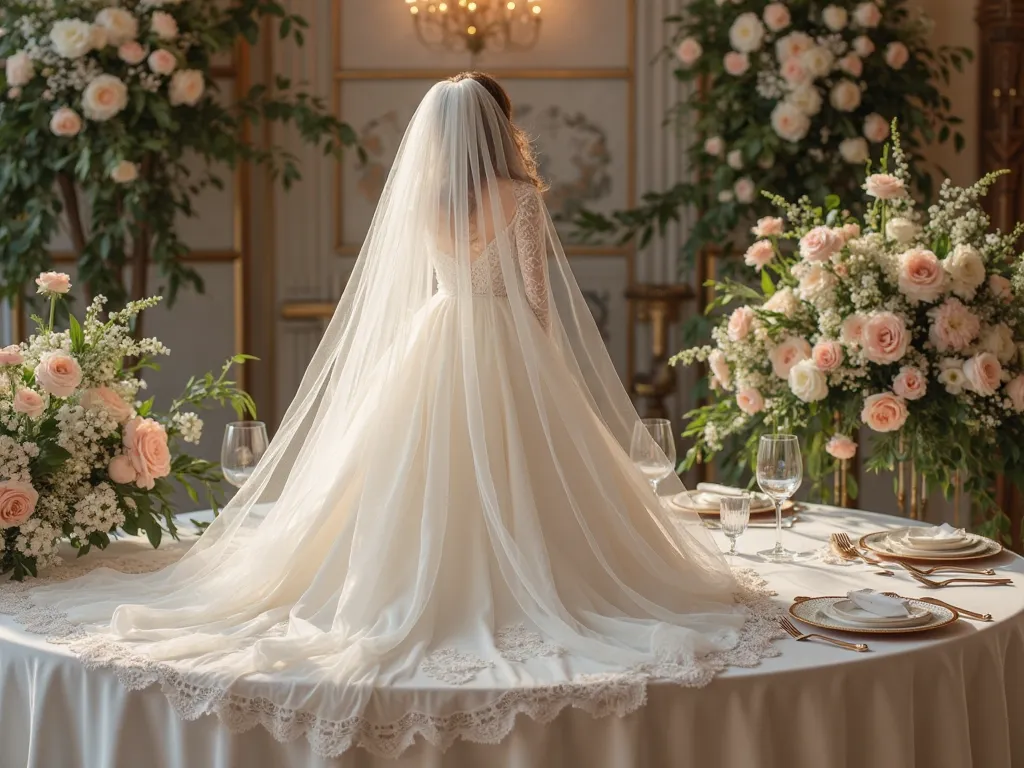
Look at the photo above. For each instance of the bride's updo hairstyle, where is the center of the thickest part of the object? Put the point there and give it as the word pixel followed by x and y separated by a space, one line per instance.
pixel 526 168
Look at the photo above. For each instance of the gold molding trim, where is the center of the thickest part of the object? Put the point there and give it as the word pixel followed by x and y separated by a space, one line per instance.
pixel 508 74
pixel 64 257
pixel 308 310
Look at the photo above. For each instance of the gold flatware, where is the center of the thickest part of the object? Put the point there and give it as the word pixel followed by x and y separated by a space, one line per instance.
pixel 843 546
pixel 961 580
pixel 935 601
pixel 796 634
pixel 947 569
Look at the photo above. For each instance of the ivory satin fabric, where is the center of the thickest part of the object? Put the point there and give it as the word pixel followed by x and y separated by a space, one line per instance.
pixel 950 699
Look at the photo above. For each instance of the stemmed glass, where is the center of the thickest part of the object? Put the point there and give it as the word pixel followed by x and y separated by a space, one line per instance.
pixel 653 450
pixel 734 516
pixel 244 444
pixel 780 471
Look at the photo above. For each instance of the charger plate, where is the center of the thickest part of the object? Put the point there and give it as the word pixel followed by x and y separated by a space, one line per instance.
pixel 877 542
pixel 815 611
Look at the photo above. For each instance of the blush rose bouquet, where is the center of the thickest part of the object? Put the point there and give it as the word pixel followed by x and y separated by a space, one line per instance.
pixel 906 326
pixel 82 456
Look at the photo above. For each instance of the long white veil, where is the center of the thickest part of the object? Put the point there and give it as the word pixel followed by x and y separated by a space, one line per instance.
pixel 455 461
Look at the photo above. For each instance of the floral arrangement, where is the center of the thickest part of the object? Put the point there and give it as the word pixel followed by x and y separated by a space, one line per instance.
pixel 792 97
pixel 905 326
pixel 116 99
pixel 80 455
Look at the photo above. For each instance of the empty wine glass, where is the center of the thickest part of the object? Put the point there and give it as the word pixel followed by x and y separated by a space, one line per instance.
pixel 734 516
pixel 653 449
pixel 244 444
pixel 780 471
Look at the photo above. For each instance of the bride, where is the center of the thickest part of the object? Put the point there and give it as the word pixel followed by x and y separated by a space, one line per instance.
pixel 447 508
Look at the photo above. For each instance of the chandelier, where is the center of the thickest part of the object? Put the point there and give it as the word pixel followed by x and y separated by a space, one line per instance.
pixel 472 25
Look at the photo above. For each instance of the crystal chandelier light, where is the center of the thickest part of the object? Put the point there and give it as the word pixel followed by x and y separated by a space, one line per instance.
pixel 472 25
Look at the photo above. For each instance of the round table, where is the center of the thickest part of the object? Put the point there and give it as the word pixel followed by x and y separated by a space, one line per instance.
pixel 953 698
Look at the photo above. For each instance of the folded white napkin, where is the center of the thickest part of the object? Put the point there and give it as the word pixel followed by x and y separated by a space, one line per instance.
pixel 714 489
pixel 879 604
pixel 944 532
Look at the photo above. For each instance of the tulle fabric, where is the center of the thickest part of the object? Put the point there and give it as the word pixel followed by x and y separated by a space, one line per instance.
pixel 452 472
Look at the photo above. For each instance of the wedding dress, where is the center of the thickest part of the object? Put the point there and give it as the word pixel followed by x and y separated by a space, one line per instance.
pixel 447 529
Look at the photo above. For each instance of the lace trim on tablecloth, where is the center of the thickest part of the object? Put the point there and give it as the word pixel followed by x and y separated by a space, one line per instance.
pixel 613 693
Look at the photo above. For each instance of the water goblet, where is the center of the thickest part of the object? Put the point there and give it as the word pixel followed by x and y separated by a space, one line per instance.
pixel 653 450
pixel 779 474
pixel 734 516
pixel 244 444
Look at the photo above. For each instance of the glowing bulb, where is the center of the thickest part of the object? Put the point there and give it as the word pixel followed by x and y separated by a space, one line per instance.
pixel 442 7
pixel 462 3
pixel 511 6
pixel 471 30
pixel 431 8
pixel 414 10
pixel 472 6
pixel 536 9
pixel 410 2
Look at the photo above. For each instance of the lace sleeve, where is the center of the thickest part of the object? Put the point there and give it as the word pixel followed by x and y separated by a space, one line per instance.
pixel 531 245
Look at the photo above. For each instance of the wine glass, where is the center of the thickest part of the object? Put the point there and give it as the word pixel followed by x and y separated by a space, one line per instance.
pixel 244 444
pixel 780 471
pixel 734 516
pixel 653 450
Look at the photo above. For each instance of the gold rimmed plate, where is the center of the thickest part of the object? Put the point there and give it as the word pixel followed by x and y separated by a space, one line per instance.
pixel 680 500
pixel 879 543
pixel 816 611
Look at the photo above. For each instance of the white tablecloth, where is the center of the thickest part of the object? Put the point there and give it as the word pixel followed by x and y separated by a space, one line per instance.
pixel 953 698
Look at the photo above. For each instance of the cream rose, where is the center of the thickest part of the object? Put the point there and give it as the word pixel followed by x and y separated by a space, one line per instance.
pixel 121 470
pixel 164 26
pixel 983 373
pixel 104 98
pixel 998 339
pixel 851 231
pixel 17 503
pixel 726 196
pixel 759 254
pixel 125 172
pixel 689 51
pixel 852 331
pixel 30 403
pixel 835 17
pixel 783 301
pixel 58 374
pixel 187 87
pixel 71 38
pixel 921 276
pixel 884 338
pixel 787 353
pixel 827 355
pixel 121 25
pixel 162 62
pixel 145 443
pixel 53 283
pixel 885 186
pixel 793 72
pixel 106 399
pixel 744 190
pixel 746 33
pixel 884 412
pixel 818 61
pixel 776 16
pixel 807 382
pixel 841 447
pixel 769 226
pixel 1000 287
pixel 953 379
pixel 863 46
pixel 99 37
pixel 867 15
pixel 720 368
pixel 131 53
pixel 1014 391
pixel 896 55
pixel 806 98
pixel 714 145
pixel 19 69
pixel 734 159
pixel 750 401
pixel 820 243
pixel 902 230
pixel 852 64
pixel 11 355
pixel 793 45
pixel 953 326
pixel 966 270
pixel 876 128
pixel 816 282
pixel 910 383
pixel 65 122
pixel 854 151
pixel 740 322
pixel 736 63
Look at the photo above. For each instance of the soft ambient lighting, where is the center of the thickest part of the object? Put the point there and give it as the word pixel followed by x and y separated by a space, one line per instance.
pixel 473 25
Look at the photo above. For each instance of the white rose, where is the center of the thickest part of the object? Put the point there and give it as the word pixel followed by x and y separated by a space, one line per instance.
pixel 845 96
pixel 901 230
pixel 835 17
pixel 785 302
pixel 807 382
pixel 71 38
pixel 125 172
pixel 744 189
pixel 187 87
pixel 854 151
pixel 104 98
pixel 867 15
pixel 776 16
pixel 725 196
pixel 789 122
pixel 735 159
pixel 792 45
pixel 806 98
pixel 966 269
pixel 816 282
pixel 817 61
pixel 714 145
pixel 998 339
pixel 164 26
pixel 120 24
pixel 863 46
pixel 20 69
pixel 746 33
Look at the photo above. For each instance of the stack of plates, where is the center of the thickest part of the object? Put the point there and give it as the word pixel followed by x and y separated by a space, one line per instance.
pixel 709 502
pixel 840 614
pixel 923 544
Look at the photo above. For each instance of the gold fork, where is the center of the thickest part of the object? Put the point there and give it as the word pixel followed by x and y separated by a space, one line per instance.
pixel 946 582
pixel 935 601
pixel 844 548
pixel 948 569
pixel 796 634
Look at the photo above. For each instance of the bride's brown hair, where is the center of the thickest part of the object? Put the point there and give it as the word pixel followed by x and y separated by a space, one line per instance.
pixel 528 170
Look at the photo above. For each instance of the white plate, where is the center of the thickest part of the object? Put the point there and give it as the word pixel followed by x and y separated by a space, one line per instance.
pixel 848 611
pixel 813 611
pixel 880 542
pixel 930 543
pixel 696 504
pixel 973 546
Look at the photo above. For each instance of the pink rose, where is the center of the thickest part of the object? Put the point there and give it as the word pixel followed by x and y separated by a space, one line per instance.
pixel 884 186
pixel 852 64
pixel 827 355
pixel 1015 391
pixel 793 71
pixel 750 401
pixel 759 254
pixel 910 383
pixel 29 402
pixel 787 353
pixel 736 63
pixel 59 374
pixel 922 277
pixel 164 26
pixel 896 55
pixel 851 231
pixel 145 443
pixel 17 503
pixel 776 16
pixel 65 122
pixel 688 51
pixel 1000 287
pixel 863 46
pixel 841 447
pixel 884 412
pixel 983 372
pixel 784 301
pixel 876 128
pixel 852 332
pixel 131 53
pixel 714 145
pixel 820 243
pixel 740 322
pixel 162 62
pixel 108 400
pixel 187 87
pixel 121 470
pixel 744 190
pixel 11 355
pixel 867 15
pixel 884 338
pixel 53 282
pixel 720 368
pixel 769 226
pixel 953 327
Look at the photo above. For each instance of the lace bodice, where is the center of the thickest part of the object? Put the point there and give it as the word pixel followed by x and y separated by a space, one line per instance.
pixel 526 236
